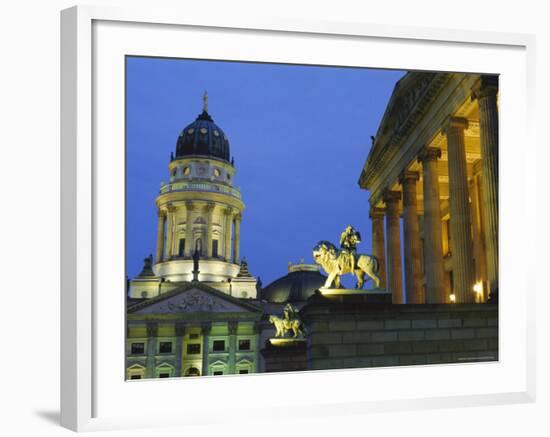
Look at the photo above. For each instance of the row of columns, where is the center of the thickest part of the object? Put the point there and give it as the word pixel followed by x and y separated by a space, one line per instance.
pixel 166 229
pixel 465 243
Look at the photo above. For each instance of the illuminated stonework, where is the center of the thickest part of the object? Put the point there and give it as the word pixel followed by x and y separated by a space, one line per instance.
pixel 434 162
pixel 198 209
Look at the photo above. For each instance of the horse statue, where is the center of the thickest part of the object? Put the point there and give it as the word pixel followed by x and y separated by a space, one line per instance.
pixel 282 326
pixel 338 262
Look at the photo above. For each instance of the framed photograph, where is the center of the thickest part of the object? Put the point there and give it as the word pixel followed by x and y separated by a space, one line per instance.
pixel 258 204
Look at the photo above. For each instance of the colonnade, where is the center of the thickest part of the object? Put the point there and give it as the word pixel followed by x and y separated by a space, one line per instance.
pixel 467 240
pixel 167 244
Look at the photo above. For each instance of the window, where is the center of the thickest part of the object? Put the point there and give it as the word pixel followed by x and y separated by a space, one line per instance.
pixel 193 371
pixel 244 345
pixel 217 373
pixel 135 376
pixel 193 349
pixel 215 248
pixel 218 345
pixel 138 348
pixel 243 371
pixel 164 375
pixel 181 247
pixel 165 347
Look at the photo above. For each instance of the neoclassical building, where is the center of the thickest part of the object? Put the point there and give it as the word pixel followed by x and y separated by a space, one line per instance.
pixel 183 321
pixel 432 171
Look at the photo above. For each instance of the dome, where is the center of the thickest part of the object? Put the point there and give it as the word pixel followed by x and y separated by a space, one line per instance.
pixel 203 137
pixel 297 286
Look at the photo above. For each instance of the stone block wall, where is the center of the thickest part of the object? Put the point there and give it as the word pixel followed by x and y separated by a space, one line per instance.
pixel 358 334
pixel 290 357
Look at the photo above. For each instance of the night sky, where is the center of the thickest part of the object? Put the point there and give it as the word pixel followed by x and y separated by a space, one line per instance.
pixel 299 136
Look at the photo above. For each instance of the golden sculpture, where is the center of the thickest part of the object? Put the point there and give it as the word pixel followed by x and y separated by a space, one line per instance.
pixel 289 322
pixel 340 262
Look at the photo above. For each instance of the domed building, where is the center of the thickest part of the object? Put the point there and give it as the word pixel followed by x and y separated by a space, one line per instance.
pixel 193 310
pixel 297 286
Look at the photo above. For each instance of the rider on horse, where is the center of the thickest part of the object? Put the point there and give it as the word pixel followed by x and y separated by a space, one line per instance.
pixel 348 244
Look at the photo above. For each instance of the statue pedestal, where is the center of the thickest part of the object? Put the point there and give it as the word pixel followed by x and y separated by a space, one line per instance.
pixel 376 295
pixel 285 354
pixel 286 342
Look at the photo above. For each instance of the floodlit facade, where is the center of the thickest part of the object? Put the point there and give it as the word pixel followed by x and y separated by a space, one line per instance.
pixel 194 309
pixel 433 170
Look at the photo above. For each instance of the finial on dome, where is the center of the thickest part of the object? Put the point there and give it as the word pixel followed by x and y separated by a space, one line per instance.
pixel 205 100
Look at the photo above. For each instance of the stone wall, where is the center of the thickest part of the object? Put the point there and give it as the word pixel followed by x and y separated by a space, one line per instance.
pixel 347 333
pixel 289 356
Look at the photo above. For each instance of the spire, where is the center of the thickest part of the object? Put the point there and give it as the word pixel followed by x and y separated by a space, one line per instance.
pixel 205 101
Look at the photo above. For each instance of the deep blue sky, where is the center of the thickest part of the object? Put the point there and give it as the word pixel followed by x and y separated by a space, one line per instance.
pixel 299 135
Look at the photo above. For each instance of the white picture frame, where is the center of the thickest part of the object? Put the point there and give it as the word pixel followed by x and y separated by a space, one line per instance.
pixel 93 396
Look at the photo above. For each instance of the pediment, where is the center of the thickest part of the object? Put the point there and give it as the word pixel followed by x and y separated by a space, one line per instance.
pixel 192 299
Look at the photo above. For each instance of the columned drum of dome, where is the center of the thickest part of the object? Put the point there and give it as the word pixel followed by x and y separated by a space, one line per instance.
pixel 203 206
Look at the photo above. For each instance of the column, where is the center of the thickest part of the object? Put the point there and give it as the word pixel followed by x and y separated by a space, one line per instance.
pixel 189 240
pixel 477 236
pixel 160 235
pixel 152 329
pixel 486 94
pixel 433 249
pixel 237 239
pixel 232 327
pixel 210 212
pixel 378 242
pixel 393 232
pixel 459 203
pixel 170 231
pixel 227 234
pixel 180 333
pixel 206 327
pixel 411 231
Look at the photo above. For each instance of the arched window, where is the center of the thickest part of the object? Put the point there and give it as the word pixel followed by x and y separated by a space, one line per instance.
pixel 192 371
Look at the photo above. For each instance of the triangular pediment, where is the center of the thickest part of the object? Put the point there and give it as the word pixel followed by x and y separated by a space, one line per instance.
pixel 193 298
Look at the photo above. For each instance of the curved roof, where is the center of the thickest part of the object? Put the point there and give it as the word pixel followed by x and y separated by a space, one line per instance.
pixel 203 137
pixel 296 286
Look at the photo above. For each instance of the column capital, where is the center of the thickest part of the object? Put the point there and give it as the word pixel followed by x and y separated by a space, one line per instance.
pixel 392 196
pixel 238 216
pixel 228 211
pixel 189 205
pixel 487 86
pixel 408 176
pixel 232 326
pixel 170 207
pixel 180 329
pixel 161 213
pixel 429 154
pixel 152 329
pixel 210 206
pixel 206 327
pixel 376 212
pixel 454 122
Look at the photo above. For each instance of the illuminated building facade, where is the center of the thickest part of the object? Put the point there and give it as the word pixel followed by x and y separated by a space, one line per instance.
pixel 433 168
pixel 209 321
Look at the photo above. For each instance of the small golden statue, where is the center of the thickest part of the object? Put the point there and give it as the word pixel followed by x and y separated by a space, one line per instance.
pixel 346 260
